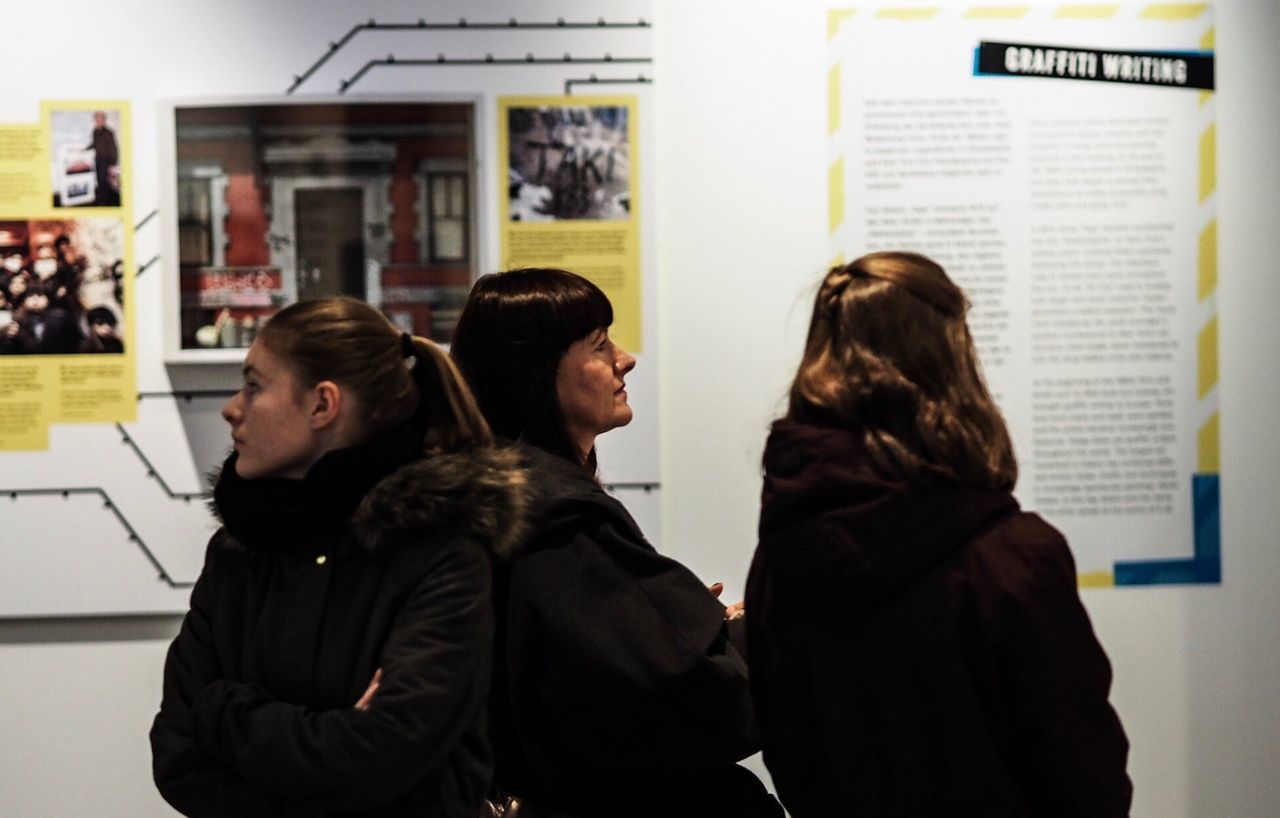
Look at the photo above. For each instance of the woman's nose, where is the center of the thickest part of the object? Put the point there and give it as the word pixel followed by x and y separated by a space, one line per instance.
pixel 625 362
pixel 231 410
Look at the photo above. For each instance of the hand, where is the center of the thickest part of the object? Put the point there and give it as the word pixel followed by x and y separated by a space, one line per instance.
pixel 367 698
pixel 716 588
pixel 735 611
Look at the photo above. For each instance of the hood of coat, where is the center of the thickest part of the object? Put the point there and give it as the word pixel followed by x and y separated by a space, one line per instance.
pixel 483 493
pixel 563 495
pixel 380 498
pixel 832 525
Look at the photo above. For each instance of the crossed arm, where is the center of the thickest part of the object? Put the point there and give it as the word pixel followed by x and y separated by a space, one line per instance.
pixel 224 747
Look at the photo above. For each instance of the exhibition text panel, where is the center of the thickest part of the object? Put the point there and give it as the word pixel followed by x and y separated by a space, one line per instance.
pixel 1061 167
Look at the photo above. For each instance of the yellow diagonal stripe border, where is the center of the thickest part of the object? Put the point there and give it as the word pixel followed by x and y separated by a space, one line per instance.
pixel 835 17
pixel 1092 12
pixel 1207 447
pixel 1208 261
pixel 1207 353
pixel 1208 163
pixel 1096 579
pixel 1174 11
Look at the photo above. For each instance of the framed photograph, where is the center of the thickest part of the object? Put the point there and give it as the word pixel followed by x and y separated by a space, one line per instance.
pixel 62 286
pixel 268 202
pixel 568 162
pixel 85 146
pixel 570 171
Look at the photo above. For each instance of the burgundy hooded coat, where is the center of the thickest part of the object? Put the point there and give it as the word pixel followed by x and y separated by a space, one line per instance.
pixel 921 651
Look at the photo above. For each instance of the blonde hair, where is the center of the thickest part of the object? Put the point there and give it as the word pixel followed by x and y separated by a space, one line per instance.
pixel 889 356
pixel 393 376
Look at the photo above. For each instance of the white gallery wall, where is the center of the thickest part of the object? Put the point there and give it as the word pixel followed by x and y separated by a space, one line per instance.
pixel 742 213
pixel 81 688
pixel 152 470
pixel 738 219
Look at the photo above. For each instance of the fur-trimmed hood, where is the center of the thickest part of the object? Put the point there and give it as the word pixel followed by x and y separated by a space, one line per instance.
pixel 482 492
pixel 564 498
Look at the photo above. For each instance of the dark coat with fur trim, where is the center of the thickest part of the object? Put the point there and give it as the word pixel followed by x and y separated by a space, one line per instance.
pixel 618 688
pixel 284 636
pixel 921 650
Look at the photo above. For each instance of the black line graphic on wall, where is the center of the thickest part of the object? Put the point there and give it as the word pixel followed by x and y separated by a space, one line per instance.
pixel 594 80
pixel 188 394
pixel 154 474
pixel 108 504
pixel 461 25
pixel 134 537
pixel 142 268
pixel 441 61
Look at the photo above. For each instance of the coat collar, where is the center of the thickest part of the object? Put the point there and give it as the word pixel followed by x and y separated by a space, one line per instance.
pixel 483 492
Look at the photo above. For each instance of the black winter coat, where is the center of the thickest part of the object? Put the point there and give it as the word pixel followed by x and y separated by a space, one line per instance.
pixel 921 651
pixel 617 688
pixel 290 620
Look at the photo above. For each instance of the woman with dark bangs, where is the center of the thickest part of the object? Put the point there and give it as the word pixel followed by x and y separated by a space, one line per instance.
pixel 918 643
pixel 619 688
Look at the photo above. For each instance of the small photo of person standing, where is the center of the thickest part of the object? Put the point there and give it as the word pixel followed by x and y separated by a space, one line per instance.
pixel 85 156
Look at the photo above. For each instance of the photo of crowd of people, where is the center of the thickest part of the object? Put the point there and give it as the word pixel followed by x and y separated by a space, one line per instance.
pixel 568 162
pixel 61 287
pixel 86 158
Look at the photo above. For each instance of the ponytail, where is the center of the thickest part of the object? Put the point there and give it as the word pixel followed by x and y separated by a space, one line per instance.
pixel 446 406
pixel 395 378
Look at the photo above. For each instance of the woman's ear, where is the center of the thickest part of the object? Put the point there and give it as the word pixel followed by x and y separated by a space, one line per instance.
pixel 326 405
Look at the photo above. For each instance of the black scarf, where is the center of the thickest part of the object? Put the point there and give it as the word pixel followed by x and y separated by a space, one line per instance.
pixel 281 513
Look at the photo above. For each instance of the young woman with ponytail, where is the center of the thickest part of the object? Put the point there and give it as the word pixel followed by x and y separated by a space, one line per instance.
pixel 336 657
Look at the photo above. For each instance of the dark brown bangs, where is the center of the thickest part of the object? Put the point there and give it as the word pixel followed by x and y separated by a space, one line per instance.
pixel 513 331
